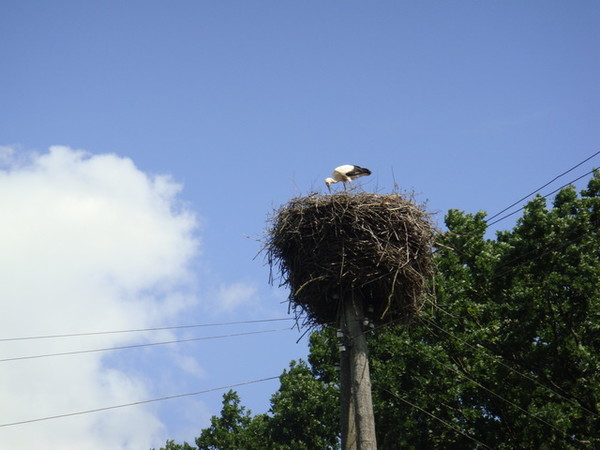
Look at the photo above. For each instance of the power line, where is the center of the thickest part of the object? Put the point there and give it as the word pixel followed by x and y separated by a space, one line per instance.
pixel 489 353
pixel 174 327
pixel 542 187
pixel 449 425
pixel 488 223
pixel 504 399
pixel 77 352
pixel 141 402
pixel 544 196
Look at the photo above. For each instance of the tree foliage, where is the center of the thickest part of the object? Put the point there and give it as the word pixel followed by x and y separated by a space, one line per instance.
pixel 504 355
pixel 301 417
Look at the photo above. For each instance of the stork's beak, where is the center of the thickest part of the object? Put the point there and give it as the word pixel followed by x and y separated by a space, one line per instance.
pixel 328 187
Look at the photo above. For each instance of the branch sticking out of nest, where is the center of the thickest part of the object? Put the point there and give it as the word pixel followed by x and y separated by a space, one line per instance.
pixel 374 246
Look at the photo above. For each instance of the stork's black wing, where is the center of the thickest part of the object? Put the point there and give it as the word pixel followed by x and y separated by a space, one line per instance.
pixel 358 171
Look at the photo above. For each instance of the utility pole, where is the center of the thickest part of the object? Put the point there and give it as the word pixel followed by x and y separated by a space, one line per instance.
pixel 341 254
pixel 348 423
pixel 358 421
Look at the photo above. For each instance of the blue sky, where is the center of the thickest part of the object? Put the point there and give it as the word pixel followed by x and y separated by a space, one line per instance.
pixel 193 120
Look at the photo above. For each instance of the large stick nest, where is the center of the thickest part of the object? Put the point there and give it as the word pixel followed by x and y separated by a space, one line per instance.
pixel 377 247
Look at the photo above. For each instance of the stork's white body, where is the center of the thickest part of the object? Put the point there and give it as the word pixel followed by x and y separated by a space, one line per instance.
pixel 346 174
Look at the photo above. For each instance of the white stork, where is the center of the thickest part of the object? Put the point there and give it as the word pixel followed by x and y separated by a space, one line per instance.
pixel 346 174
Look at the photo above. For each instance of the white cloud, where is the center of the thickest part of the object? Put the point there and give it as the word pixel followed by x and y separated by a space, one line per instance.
pixel 190 365
pixel 6 154
pixel 88 243
pixel 235 295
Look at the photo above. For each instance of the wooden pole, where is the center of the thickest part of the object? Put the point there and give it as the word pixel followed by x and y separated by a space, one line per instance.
pixel 346 401
pixel 360 379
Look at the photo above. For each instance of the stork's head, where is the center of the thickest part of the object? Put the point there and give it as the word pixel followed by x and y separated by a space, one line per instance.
pixel 329 182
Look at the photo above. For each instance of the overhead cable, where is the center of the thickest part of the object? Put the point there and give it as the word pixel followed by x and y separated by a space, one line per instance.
pixel 544 196
pixel 141 402
pixel 504 399
pixel 449 425
pixel 490 354
pixel 174 327
pixel 542 187
pixel 77 352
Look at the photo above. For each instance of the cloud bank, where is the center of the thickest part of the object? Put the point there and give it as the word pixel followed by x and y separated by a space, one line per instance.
pixel 87 243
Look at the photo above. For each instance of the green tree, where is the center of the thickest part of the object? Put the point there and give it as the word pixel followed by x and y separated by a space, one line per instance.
pixel 303 415
pixel 504 354
pixel 229 431
pixel 304 412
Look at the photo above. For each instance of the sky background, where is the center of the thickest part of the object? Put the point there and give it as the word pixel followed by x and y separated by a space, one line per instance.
pixel 144 144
